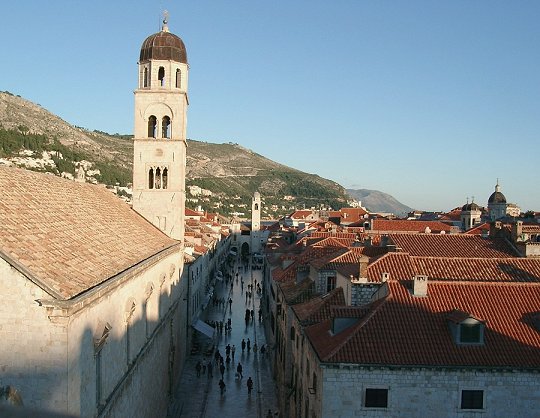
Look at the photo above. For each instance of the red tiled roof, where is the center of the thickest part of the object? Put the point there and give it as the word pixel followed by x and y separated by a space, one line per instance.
pixel 398 265
pixel 408 226
pixel 446 245
pixel 348 235
pixel 480 229
pixel 408 330
pixel 479 269
pixel 318 308
pixel 334 242
pixel 190 212
pixel 71 236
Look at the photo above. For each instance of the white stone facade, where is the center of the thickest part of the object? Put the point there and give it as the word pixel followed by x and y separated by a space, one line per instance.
pixel 49 355
pixel 425 392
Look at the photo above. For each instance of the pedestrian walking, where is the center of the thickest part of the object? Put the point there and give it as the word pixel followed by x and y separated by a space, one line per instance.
pixel 230 303
pixel 260 314
pixel 233 349
pixel 252 314
pixel 204 367
pixel 239 370
pixel 248 345
pixel 222 369
pixel 249 385
pixel 198 368
pixel 255 347
pixel 263 349
pixel 210 369
pixel 228 350
pixel 243 345
pixel 228 361
pixel 222 387
pixel 269 414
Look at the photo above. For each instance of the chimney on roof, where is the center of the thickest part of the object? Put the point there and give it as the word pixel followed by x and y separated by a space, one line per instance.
pixel 517 230
pixel 384 277
pixel 420 285
pixel 363 267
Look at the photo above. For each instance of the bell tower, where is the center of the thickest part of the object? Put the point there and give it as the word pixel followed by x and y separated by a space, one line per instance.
pixel 159 160
pixel 256 223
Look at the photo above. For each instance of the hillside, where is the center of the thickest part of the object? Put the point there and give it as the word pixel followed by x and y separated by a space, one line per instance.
pixel 232 173
pixel 376 201
pixel 229 171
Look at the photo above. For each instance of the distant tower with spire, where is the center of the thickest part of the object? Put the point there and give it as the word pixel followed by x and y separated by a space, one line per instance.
pixel 161 102
pixel 497 204
pixel 255 235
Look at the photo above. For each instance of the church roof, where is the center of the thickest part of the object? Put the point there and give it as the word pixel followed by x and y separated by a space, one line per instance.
pixel 497 196
pixel 68 237
pixel 163 46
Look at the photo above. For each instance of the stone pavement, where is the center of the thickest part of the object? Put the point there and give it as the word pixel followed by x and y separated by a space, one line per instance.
pixel 198 397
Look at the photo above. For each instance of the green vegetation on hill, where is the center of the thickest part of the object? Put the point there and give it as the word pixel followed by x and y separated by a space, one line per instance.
pixel 65 158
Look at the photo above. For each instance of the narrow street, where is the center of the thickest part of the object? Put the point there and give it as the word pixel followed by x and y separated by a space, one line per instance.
pixel 199 396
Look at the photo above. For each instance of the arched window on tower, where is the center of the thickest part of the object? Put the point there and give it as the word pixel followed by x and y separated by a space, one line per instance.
pixel 158 178
pixel 178 78
pixel 166 127
pixel 161 76
pixel 164 177
pixel 151 178
pixel 256 206
pixel 152 126
pixel 145 78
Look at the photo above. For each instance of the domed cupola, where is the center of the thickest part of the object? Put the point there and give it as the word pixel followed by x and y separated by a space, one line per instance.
pixel 497 196
pixel 470 206
pixel 163 46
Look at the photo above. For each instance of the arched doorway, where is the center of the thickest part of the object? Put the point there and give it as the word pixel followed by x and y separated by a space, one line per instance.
pixel 244 250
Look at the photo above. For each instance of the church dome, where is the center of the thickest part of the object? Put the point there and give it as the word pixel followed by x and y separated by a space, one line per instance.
pixel 470 206
pixel 497 196
pixel 163 46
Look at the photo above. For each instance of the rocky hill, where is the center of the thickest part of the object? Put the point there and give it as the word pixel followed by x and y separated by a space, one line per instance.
pixel 229 171
pixel 376 201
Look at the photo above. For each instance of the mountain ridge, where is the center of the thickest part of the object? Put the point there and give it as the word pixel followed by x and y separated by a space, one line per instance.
pixel 230 171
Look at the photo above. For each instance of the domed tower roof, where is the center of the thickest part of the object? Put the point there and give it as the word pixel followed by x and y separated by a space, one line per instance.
pixel 497 196
pixel 163 46
pixel 470 206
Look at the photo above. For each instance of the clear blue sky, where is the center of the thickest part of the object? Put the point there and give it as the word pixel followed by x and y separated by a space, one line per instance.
pixel 430 101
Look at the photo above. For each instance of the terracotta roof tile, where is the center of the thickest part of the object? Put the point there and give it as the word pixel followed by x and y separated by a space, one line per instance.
pixel 446 245
pixel 387 225
pixel 71 236
pixel 409 330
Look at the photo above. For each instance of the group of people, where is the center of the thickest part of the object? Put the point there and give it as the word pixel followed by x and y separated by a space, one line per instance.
pixel 224 363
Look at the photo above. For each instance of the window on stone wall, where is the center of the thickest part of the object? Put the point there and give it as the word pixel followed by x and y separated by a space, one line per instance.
pixel 161 76
pixel 151 178
pixel 330 283
pixel 145 78
pixel 152 126
pixel 166 127
pixel 472 399
pixel 165 177
pixel 376 398
pixel 178 78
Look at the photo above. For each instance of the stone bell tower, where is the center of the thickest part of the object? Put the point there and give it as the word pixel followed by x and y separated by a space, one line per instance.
pixel 256 223
pixel 159 163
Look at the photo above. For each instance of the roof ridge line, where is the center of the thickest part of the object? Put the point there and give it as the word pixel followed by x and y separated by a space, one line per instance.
pixel 360 324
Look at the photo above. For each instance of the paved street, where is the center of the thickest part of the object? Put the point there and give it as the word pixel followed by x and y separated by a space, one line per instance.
pixel 200 397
